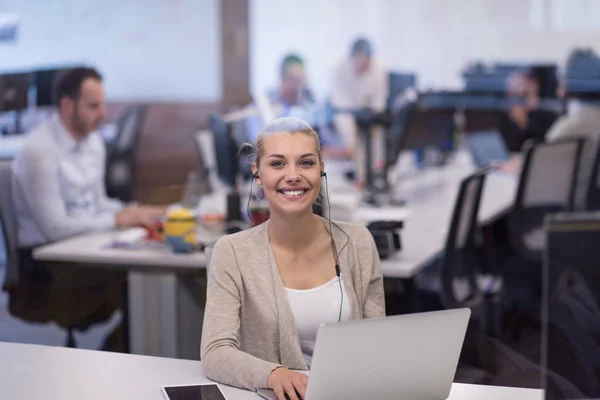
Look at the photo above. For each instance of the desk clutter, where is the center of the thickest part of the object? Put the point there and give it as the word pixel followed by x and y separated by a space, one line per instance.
pixel 180 231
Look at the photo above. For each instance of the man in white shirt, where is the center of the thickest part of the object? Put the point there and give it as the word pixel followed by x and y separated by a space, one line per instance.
pixel 59 173
pixel 360 82
pixel 58 191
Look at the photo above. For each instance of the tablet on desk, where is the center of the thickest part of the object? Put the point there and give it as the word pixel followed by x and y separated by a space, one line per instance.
pixel 207 391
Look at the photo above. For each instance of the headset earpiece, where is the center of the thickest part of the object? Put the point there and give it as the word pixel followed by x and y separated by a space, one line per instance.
pixel 255 176
pixel 323 174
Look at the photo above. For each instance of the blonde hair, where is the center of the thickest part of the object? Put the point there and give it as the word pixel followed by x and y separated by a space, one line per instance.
pixel 281 125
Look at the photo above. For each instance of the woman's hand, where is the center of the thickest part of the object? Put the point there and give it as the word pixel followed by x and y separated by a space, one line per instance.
pixel 283 381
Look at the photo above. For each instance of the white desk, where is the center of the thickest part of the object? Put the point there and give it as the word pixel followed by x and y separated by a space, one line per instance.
pixel 424 233
pixel 10 146
pixel 430 199
pixel 165 299
pixel 50 373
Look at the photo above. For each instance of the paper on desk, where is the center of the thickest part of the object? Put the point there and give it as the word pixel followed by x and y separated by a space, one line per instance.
pixel 368 214
pixel 130 236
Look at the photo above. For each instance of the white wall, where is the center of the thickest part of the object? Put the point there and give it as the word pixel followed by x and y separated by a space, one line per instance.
pixel 147 49
pixel 435 38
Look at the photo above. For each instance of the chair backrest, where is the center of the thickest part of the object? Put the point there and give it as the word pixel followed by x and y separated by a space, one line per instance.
pixel 225 149
pixel 398 83
pixel 121 157
pixel 458 264
pixel 9 225
pixel 546 185
pixel 592 202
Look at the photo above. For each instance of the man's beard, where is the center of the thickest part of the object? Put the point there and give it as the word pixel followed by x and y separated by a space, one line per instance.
pixel 82 128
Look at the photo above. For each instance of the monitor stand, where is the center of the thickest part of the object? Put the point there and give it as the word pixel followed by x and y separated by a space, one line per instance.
pixel 377 188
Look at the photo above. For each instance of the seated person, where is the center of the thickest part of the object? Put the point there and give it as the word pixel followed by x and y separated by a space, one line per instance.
pixel 360 82
pixel 582 120
pixel 59 173
pixel 58 182
pixel 293 95
pixel 525 122
pixel 271 287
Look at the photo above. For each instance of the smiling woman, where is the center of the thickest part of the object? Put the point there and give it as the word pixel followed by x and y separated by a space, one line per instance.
pixel 272 286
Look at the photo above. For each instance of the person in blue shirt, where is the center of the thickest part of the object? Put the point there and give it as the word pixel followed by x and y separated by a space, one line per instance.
pixel 294 99
pixel 292 94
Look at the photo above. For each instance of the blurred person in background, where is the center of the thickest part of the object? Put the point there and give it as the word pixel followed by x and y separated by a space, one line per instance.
pixel 526 121
pixel 360 83
pixel 58 192
pixel 582 118
pixel 293 97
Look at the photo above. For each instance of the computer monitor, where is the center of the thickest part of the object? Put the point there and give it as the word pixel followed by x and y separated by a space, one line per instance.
pixel 14 90
pixel 225 150
pixel 44 83
pixel 414 127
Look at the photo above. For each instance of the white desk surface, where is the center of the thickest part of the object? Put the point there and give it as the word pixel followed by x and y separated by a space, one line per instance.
pixel 50 373
pixel 10 146
pixel 92 248
pixel 430 203
pixel 430 199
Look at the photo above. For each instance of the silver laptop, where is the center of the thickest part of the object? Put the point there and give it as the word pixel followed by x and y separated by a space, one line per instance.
pixel 487 148
pixel 411 356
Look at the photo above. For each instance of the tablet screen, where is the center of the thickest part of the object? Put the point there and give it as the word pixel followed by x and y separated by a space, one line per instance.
pixel 194 392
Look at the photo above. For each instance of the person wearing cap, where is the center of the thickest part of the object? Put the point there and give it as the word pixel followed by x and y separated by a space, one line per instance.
pixel 360 83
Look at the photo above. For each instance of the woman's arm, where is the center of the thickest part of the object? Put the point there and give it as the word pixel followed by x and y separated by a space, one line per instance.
pixel 221 357
pixel 374 305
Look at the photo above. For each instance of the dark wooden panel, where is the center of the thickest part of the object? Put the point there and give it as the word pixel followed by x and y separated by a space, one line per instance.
pixel 166 152
pixel 235 53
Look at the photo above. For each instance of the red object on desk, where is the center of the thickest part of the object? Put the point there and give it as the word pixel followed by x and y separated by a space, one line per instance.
pixel 155 232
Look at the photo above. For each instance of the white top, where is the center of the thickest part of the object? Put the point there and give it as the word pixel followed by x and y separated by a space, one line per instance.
pixel 58 186
pixel 313 307
pixel 369 89
pixel 48 373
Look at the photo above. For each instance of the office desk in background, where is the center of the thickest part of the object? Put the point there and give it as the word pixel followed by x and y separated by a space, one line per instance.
pixel 430 199
pixel 165 290
pixel 10 146
pixel 49 373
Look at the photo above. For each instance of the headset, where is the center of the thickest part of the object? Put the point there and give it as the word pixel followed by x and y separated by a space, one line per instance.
pixel 333 250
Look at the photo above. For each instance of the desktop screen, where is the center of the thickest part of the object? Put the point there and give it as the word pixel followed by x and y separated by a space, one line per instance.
pixel 14 90
pixel 44 83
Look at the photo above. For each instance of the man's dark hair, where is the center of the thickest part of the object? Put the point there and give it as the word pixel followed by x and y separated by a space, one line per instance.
pixel 68 83
pixel 289 60
pixel 362 46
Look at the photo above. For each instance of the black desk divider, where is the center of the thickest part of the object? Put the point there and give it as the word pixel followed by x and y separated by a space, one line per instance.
pixel 571 307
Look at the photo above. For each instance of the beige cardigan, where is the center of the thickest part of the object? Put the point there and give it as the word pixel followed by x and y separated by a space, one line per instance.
pixel 249 329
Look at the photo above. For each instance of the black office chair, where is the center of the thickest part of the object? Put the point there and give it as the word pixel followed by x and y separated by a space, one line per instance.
pixel 592 202
pixel 546 185
pixel 120 157
pixel 397 84
pixel 30 297
pixel 460 278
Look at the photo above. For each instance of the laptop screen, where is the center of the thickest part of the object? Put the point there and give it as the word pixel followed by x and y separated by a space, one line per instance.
pixel 487 148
